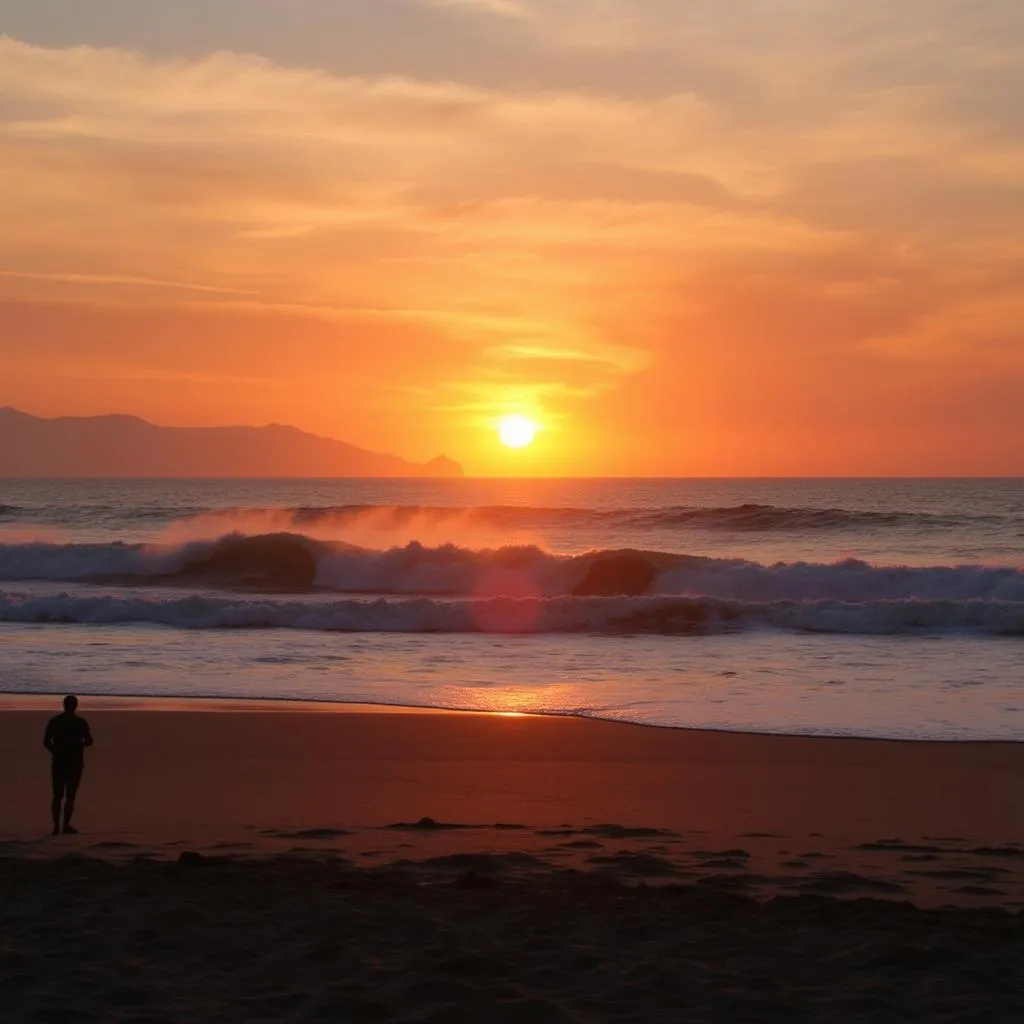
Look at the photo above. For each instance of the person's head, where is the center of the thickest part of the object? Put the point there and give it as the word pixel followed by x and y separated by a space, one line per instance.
pixel 70 703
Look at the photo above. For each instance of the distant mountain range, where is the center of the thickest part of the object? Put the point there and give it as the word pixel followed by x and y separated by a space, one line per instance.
pixel 125 446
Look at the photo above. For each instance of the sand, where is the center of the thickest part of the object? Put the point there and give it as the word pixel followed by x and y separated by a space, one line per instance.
pixel 275 862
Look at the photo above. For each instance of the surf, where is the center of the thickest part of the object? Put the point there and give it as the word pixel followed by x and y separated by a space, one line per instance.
pixel 666 616
pixel 302 564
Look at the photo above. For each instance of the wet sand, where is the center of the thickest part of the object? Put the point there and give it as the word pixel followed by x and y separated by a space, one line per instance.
pixel 257 860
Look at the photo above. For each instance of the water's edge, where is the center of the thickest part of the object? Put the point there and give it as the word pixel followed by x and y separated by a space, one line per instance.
pixel 213 704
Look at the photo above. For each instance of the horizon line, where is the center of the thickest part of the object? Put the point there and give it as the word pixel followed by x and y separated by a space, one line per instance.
pixel 523 478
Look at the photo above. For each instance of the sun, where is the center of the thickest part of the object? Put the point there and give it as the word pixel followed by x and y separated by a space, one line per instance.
pixel 516 431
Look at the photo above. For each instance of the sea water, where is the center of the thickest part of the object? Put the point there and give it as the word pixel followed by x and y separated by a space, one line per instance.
pixel 891 608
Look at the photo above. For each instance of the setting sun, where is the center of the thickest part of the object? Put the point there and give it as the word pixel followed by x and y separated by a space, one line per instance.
pixel 516 431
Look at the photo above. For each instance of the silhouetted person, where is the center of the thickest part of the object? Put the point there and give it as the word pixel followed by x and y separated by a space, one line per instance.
pixel 66 738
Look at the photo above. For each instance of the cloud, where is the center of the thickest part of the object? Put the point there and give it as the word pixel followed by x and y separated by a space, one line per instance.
pixel 502 8
pixel 838 180
pixel 281 182
pixel 120 280
pixel 611 358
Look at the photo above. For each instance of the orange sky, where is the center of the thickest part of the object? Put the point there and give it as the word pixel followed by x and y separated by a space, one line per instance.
pixel 750 238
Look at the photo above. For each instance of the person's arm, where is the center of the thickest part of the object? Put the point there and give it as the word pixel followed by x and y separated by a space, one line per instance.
pixel 48 737
pixel 86 735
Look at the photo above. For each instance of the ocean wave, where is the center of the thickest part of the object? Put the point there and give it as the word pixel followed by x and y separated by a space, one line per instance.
pixel 745 517
pixel 753 517
pixel 297 563
pixel 670 616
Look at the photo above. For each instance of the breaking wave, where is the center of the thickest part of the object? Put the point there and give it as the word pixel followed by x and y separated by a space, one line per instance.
pixel 299 564
pixel 674 616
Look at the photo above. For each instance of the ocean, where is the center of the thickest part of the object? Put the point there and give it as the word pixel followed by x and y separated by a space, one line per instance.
pixel 886 608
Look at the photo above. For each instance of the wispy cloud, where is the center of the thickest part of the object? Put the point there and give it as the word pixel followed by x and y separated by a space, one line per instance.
pixel 837 184
pixel 119 280
pixel 503 8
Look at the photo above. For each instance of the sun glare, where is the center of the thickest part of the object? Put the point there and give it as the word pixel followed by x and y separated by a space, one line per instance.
pixel 516 431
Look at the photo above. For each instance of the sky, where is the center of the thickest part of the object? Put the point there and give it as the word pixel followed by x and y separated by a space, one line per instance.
pixel 755 237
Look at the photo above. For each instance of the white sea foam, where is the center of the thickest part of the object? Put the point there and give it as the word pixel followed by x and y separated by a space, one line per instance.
pixel 513 571
pixel 881 608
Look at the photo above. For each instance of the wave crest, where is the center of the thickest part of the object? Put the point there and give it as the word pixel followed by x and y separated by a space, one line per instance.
pixel 294 562
pixel 748 517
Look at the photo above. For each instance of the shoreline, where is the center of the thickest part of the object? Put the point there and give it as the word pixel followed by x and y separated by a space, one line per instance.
pixel 15 700
pixel 12 700
pixel 260 860
pixel 266 777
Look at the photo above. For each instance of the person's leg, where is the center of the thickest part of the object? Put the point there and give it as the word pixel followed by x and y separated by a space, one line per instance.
pixel 74 778
pixel 58 778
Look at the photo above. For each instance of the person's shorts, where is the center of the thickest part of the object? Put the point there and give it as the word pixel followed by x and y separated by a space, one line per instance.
pixel 66 777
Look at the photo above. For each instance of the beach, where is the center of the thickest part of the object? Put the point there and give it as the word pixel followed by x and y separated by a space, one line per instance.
pixel 283 861
pixel 528 499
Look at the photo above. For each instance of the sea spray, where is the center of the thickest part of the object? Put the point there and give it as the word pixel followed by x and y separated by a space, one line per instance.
pixel 298 563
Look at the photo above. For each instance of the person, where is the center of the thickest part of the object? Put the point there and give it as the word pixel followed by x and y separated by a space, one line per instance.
pixel 67 736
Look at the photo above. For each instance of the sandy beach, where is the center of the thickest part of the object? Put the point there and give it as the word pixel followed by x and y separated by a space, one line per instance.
pixel 242 861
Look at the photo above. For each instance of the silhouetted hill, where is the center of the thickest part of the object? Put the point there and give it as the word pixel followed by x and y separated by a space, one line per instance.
pixel 103 446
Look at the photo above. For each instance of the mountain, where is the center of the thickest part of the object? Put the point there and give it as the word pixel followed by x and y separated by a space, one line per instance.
pixel 120 446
